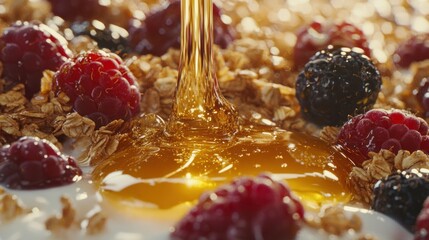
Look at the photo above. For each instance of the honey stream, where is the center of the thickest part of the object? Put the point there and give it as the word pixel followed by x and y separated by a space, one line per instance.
pixel 162 166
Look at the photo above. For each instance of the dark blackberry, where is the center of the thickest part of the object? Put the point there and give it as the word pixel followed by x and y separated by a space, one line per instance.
pixel 161 30
pixel 111 36
pixel 401 195
pixel 336 83
pixel 244 209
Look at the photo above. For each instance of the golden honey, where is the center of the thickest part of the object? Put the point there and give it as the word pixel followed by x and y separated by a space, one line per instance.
pixel 204 143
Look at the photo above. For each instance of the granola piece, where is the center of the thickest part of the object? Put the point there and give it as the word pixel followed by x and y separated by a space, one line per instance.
pixel 333 220
pixel 104 142
pixel 56 224
pixel 13 101
pixel 96 223
pixel 10 206
pixel 74 125
pixel 329 134
pixel 404 160
pixel 9 125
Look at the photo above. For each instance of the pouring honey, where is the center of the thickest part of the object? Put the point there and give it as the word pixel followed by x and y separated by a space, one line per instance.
pixel 204 143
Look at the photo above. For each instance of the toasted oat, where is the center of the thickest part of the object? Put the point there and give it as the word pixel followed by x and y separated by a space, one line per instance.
pixel 74 125
pixel 329 134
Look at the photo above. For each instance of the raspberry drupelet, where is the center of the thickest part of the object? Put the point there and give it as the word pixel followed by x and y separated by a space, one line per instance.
pixel 99 86
pixel 248 208
pixel 161 30
pixel 33 163
pixel 319 35
pixel 380 129
pixel 27 49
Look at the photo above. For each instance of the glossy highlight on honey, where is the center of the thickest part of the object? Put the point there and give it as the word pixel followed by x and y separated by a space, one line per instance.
pixel 204 143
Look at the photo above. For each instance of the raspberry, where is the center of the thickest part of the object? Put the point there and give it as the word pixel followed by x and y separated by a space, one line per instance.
pixel 380 129
pixel 161 31
pixel 336 83
pixel 415 49
pixel 33 163
pixel 401 195
pixel 318 36
pixel 27 49
pixel 111 36
pixel 245 209
pixel 77 9
pixel 422 223
pixel 99 86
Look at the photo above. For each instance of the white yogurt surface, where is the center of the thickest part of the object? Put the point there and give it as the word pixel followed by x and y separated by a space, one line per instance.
pixel 45 203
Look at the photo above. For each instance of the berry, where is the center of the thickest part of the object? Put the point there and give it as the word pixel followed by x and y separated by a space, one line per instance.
pixel 336 83
pixel 161 31
pixel 27 49
pixel 414 49
pixel 318 36
pixel 422 223
pixel 99 86
pixel 401 195
pixel 111 36
pixel 380 129
pixel 33 163
pixel 77 9
pixel 245 209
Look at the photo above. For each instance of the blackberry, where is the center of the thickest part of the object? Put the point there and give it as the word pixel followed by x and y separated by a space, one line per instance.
pixel 111 36
pixel 161 31
pixel 244 209
pixel 27 49
pixel 336 83
pixel 401 195
pixel 33 163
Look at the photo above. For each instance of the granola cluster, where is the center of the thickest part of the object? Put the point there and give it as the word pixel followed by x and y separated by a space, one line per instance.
pixel 93 224
pixel 335 221
pixel 380 165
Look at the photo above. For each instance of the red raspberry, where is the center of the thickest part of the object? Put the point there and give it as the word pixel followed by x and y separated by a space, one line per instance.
pixel 422 223
pixel 161 31
pixel 414 49
pixel 258 208
pixel 33 163
pixel 27 49
pixel 100 87
pixel 380 129
pixel 77 9
pixel 318 36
